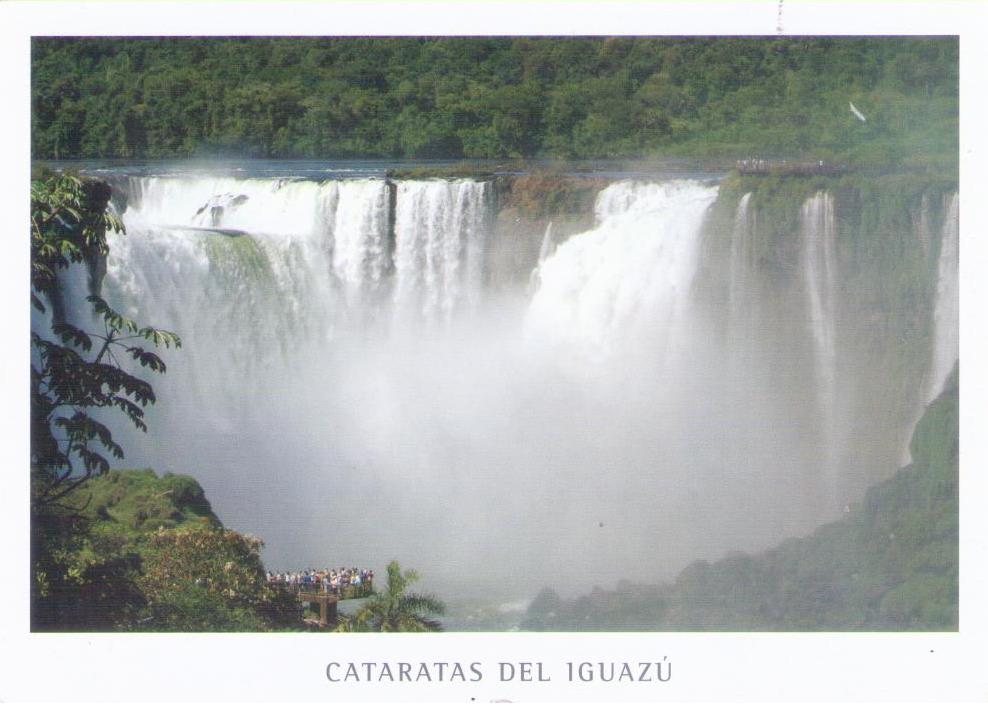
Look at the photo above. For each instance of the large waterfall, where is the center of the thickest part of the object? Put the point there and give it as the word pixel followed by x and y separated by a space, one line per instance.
pixel 352 391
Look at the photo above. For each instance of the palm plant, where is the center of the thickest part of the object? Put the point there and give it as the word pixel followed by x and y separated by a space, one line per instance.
pixel 395 609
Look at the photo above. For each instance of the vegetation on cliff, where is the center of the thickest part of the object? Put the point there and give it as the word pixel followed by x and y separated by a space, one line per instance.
pixel 114 550
pixel 148 553
pixel 78 383
pixel 125 550
pixel 484 98
pixel 890 564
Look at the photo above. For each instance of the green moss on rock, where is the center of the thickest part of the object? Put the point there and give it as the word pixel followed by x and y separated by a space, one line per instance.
pixel 136 501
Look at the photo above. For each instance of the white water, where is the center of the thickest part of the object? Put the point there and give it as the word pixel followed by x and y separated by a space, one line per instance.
pixel 348 219
pixel 271 206
pixel 819 270
pixel 353 400
pixel 440 228
pixel 741 303
pixel 818 232
pixel 360 236
pixel 629 275
pixel 548 246
pixel 946 315
pixel 946 322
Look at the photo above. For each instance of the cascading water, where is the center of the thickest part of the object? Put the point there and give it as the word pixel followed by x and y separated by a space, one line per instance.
pixel 271 206
pixel 548 246
pixel 946 316
pixel 439 232
pixel 818 232
pixel 360 236
pixel 545 250
pixel 385 404
pixel 241 269
pixel 685 427
pixel 347 218
pixel 742 272
pixel 632 272
pixel 946 322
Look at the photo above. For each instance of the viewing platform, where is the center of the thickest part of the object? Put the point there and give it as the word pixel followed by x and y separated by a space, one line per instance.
pixel 325 597
pixel 783 167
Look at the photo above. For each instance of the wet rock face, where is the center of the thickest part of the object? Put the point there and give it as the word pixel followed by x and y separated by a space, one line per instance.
pixel 525 206
pixel 217 206
pixel 97 194
pixel 540 196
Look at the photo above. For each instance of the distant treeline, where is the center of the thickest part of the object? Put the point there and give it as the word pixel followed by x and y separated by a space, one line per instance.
pixel 494 97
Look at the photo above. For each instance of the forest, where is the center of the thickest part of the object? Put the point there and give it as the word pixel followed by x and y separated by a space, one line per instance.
pixel 496 98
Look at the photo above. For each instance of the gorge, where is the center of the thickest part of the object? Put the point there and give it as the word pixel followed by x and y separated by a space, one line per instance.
pixel 657 369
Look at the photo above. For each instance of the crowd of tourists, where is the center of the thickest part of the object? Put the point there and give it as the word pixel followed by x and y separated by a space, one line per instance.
pixel 328 580
pixel 782 166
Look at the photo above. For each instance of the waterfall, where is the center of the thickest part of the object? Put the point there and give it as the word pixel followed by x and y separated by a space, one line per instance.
pixel 360 235
pixel 819 268
pixel 348 218
pixel 345 361
pixel 440 232
pixel 296 232
pixel 631 273
pixel 288 207
pixel 946 322
pixel 258 273
pixel 921 224
pixel 819 271
pixel 545 250
pixel 742 272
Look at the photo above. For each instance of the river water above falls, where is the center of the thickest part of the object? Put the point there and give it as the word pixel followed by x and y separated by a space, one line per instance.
pixel 352 389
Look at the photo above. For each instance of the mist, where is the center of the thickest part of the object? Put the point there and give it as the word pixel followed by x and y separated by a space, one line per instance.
pixel 633 404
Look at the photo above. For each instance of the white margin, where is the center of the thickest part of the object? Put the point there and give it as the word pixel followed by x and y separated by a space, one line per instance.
pixel 707 667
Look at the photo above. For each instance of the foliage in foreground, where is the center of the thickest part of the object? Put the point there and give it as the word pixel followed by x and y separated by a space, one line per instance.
pixel 123 550
pixel 890 564
pixel 70 379
pixel 203 578
pixel 79 379
pixel 395 609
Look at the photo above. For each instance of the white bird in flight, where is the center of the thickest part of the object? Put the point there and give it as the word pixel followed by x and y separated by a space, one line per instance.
pixel 857 113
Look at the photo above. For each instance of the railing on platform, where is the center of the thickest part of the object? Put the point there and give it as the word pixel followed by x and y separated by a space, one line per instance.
pixel 342 593
pixel 782 167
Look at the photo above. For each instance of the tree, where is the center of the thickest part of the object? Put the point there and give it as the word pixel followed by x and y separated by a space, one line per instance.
pixel 396 610
pixel 200 577
pixel 70 379
pixel 69 221
pixel 88 571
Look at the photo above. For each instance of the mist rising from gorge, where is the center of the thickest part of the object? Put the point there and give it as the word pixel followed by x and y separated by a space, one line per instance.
pixel 352 390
